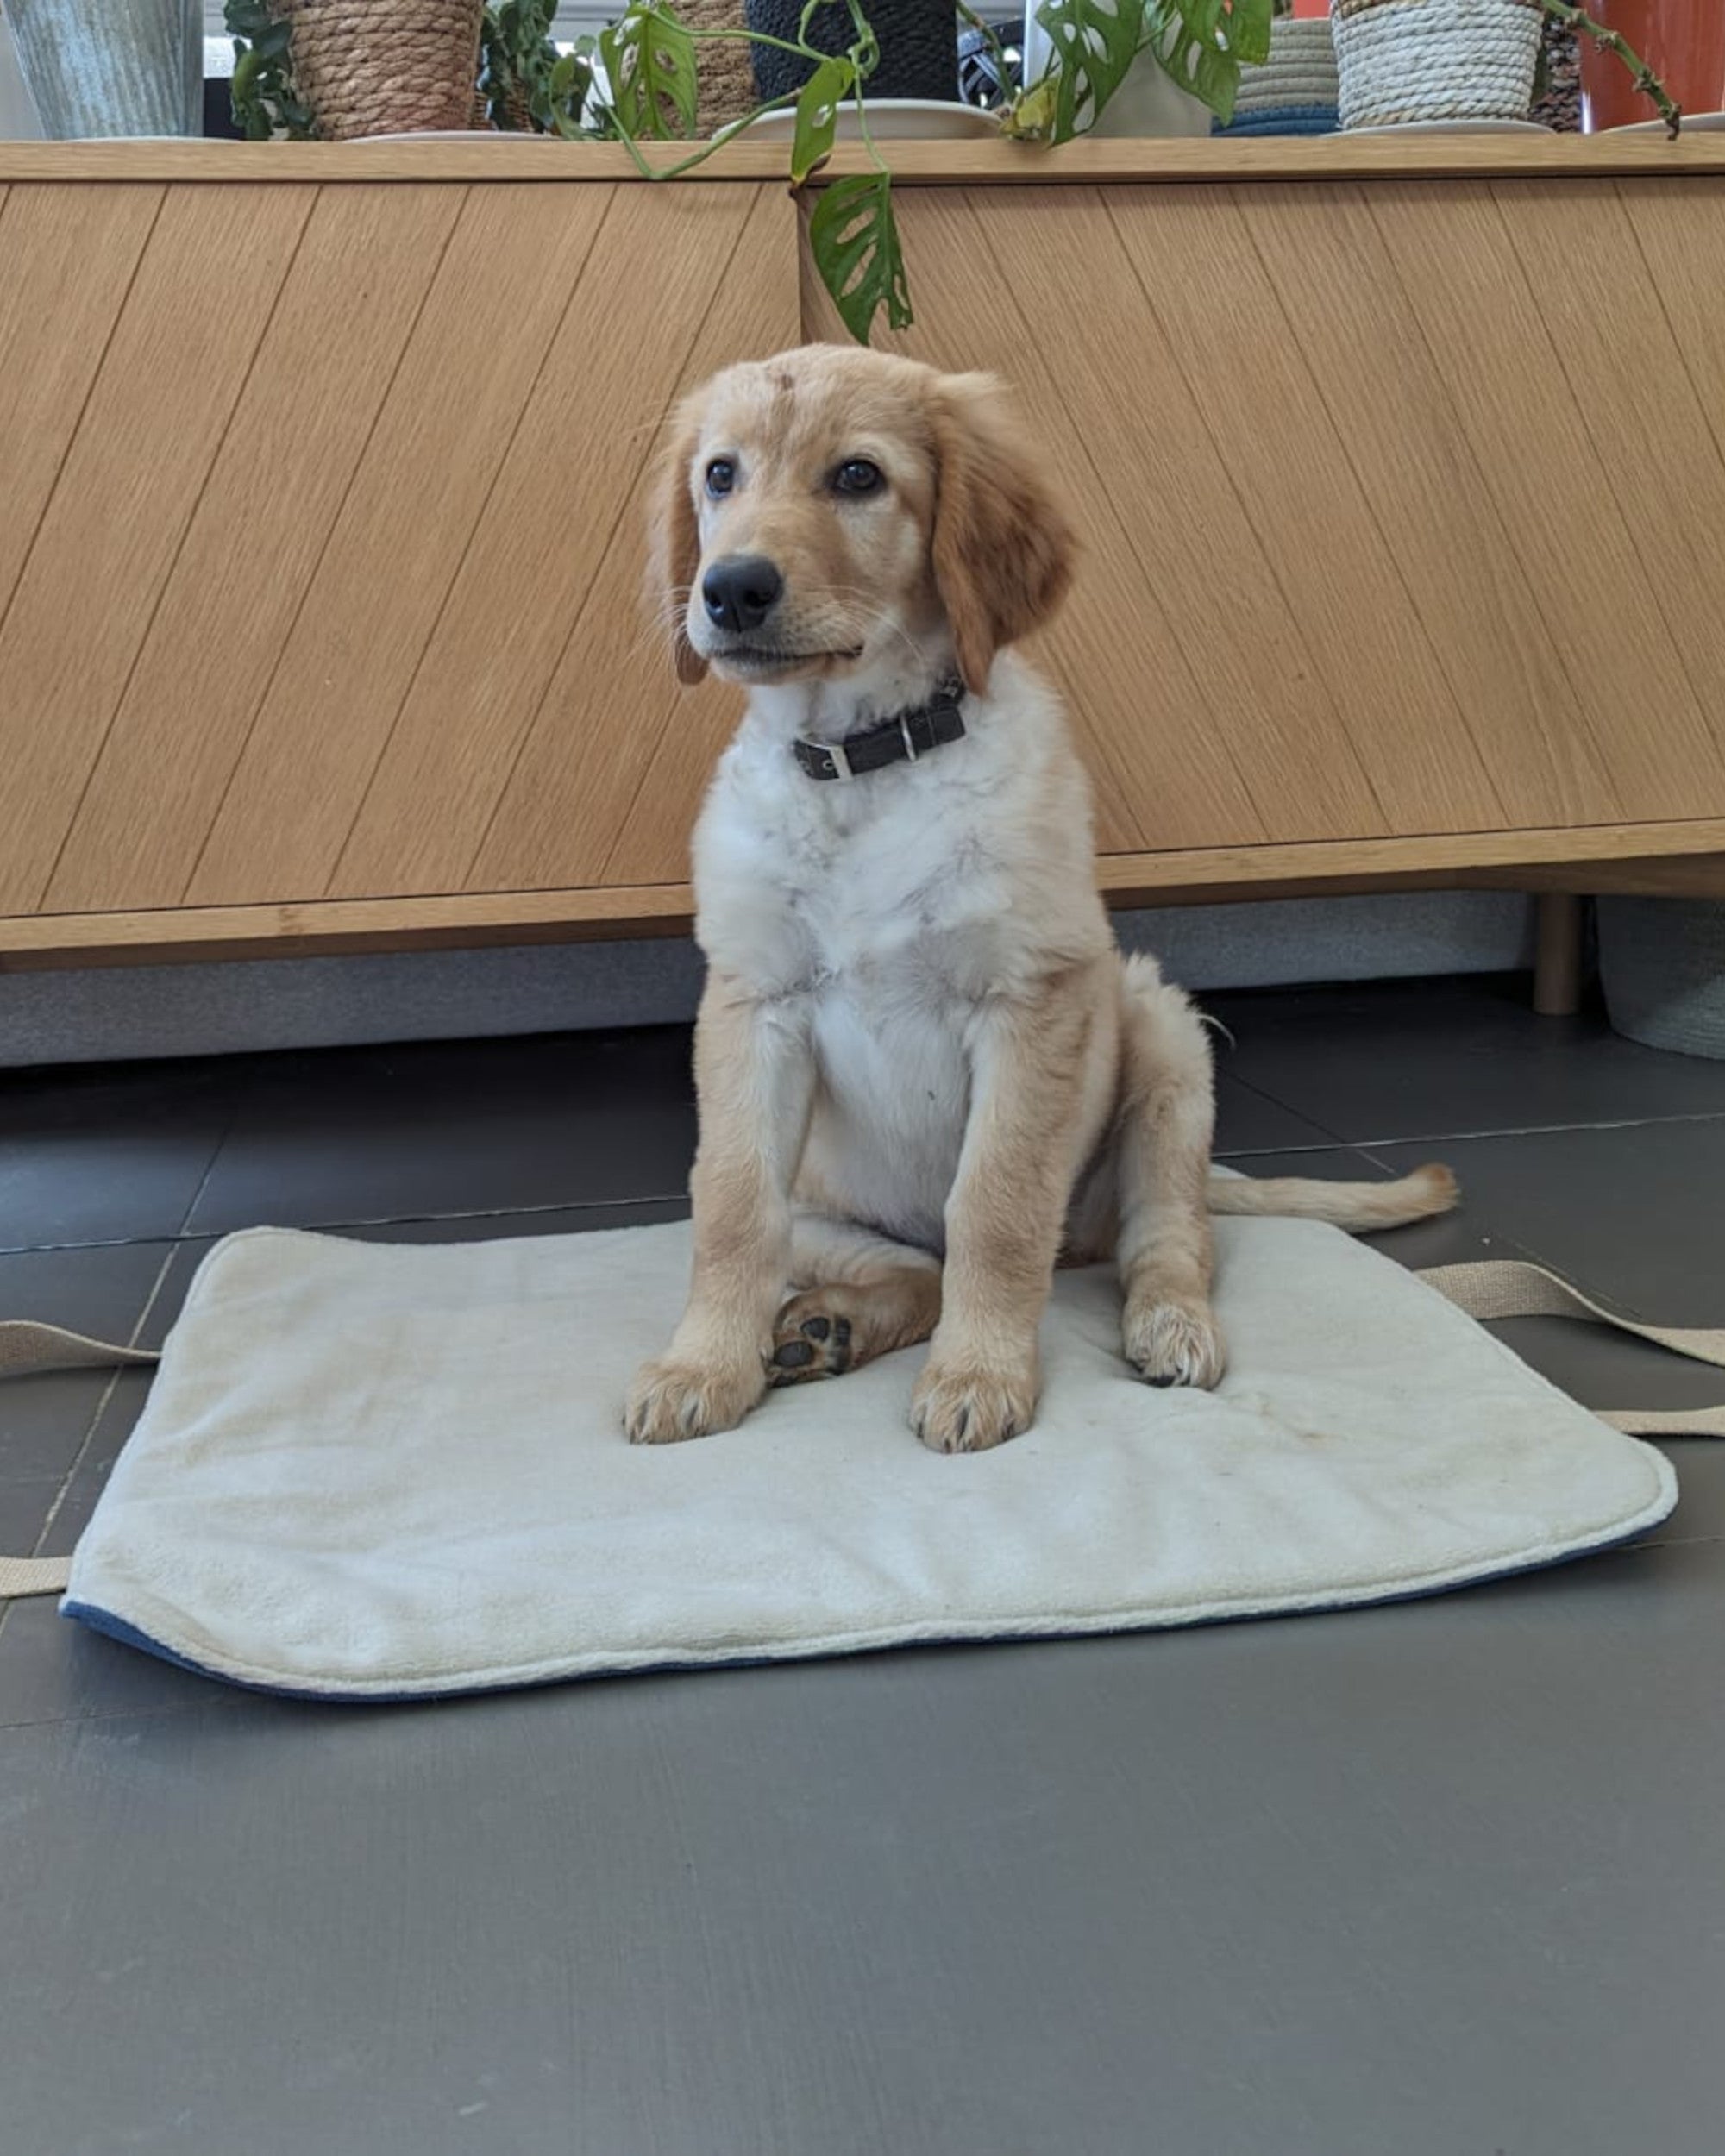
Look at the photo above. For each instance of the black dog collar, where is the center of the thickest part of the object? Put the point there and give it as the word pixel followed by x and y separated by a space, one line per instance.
pixel 900 740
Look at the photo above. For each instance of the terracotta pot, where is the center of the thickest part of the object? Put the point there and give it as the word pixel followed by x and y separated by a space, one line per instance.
pixel 1681 41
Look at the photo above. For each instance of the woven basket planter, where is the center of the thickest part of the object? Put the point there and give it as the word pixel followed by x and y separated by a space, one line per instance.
pixel 725 75
pixel 386 66
pixel 1662 962
pixel 1296 91
pixel 1402 61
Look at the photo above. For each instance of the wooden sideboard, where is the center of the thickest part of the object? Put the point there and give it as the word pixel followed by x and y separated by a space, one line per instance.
pixel 1400 467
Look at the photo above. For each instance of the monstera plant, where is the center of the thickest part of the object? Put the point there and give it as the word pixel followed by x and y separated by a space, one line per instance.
pixel 649 60
pixel 636 84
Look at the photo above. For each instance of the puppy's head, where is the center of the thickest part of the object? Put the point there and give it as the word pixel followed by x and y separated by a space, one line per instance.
pixel 817 511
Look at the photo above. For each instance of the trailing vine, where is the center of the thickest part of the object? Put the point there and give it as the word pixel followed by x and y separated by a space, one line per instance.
pixel 636 85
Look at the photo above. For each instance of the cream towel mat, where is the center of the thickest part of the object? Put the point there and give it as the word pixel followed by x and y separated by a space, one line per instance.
pixel 380 1471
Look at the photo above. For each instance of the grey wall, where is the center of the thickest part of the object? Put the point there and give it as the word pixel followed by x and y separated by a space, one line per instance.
pixel 97 1016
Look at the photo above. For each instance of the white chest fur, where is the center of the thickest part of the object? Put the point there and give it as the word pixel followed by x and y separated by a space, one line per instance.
pixel 887 911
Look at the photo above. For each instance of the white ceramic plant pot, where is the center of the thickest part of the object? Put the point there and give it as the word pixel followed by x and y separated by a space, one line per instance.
pixel 1408 62
pixel 1149 101
pixel 113 67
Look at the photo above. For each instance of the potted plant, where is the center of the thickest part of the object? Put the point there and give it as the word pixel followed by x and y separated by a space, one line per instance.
pixel 639 83
pixel 126 68
pixel 1296 90
pixel 1413 62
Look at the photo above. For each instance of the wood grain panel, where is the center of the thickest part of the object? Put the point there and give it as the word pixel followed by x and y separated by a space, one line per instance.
pixel 168 381
pixel 1398 426
pixel 363 271
pixel 1681 235
pixel 579 778
pixel 1459 266
pixel 446 425
pixel 66 260
pixel 1176 531
pixel 1269 433
pixel 1653 448
pixel 530 578
pixel 1161 719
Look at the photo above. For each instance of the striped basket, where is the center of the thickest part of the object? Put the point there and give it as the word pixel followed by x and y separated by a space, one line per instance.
pixel 1295 90
pixel 1402 61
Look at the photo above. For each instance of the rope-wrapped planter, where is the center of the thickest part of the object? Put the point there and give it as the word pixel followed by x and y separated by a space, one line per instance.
pixel 1296 91
pixel 1402 61
pixel 724 70
pixel 385 67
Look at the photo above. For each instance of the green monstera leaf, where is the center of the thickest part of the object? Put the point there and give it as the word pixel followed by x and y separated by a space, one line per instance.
pixel 854 238
pixel 649 62
pixel 1203 44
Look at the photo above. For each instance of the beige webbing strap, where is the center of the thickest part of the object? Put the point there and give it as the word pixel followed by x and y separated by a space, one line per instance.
pixel 20 1577
pixel 25 1347
pixel 1513 1288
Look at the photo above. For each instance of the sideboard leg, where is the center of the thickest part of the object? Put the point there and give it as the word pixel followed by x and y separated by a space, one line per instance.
pixel 1557 961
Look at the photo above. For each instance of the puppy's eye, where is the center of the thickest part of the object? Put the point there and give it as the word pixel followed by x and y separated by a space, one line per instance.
pixel 857 476
pixel 721 477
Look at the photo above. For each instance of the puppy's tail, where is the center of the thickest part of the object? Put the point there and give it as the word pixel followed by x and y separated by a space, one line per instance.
pixel 1359 1207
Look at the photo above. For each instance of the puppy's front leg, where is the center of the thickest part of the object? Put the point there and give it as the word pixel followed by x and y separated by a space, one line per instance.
pixel 754 1080
pixel 1006 1215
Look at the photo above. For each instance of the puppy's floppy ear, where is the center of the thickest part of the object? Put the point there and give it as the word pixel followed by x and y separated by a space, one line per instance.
pixel 1003 547
pixel 675 547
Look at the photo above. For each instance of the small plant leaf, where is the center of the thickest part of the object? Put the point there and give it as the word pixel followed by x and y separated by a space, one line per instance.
pixel 649 62
pixel 1095 42
pixel 1203 44
pixel 854 238
pixel 818 115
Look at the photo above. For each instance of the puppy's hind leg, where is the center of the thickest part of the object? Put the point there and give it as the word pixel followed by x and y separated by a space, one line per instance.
pixel 1167 1121
pixel 855 1296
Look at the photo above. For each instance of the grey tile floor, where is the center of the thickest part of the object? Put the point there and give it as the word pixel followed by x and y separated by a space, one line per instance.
pixel 1444 1879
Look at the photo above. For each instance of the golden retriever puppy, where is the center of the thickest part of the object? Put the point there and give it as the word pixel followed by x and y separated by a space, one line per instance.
pixel 926 1074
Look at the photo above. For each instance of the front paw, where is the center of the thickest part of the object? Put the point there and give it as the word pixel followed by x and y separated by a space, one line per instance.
pixel 966 1407
pixel 671 1400
pixel 1175 1341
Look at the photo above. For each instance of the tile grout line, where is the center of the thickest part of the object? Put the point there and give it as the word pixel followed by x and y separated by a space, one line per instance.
pixel 101 1406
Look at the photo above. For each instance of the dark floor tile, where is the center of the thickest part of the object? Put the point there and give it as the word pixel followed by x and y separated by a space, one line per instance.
pixel 102 1292
pixel 455 1127
pixel 1637 1214
pixel 92 1154
pixel 26 1507
pixel 55 1671
pixel 1247 1122
pixel 1430 1878
pixel 1407 1059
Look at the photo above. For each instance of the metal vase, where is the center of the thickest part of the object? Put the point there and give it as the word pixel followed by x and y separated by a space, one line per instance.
pixel 117 67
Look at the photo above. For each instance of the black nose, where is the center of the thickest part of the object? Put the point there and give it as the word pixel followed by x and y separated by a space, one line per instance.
pixel 739 592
